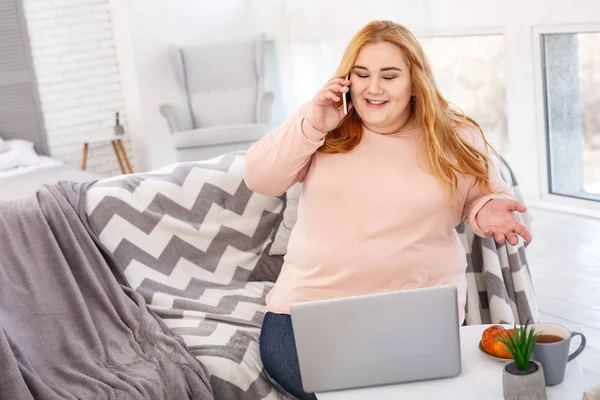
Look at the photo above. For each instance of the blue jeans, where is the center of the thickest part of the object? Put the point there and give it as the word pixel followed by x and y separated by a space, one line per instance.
pixel 279 356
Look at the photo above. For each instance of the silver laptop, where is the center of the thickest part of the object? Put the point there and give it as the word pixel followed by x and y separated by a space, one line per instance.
pixel 378 339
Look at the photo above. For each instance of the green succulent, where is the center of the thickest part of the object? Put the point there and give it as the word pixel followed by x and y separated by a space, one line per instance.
pixel 520 344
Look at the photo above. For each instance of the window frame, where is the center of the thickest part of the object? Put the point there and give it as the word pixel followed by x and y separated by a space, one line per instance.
pixel 559 201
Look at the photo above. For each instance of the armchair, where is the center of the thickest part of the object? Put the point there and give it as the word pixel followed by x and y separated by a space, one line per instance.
pixel 227 107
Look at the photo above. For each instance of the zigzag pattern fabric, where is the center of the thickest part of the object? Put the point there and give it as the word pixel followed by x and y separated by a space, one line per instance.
pixel 499 284
pixel 187 238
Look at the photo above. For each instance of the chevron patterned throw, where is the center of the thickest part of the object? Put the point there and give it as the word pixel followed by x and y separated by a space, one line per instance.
pixel 499 285
pixel 188 237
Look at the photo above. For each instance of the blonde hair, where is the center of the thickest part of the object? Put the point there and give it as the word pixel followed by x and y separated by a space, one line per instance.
pixel 439 120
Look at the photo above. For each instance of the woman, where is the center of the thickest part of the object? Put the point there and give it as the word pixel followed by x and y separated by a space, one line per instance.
pixel 383 188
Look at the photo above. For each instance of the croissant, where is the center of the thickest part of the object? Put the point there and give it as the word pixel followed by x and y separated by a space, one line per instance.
pixel 491 344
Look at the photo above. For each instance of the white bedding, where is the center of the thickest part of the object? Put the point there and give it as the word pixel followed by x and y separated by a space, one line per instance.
pixel 25 181
pixel 16 153
pixel 23 171
pixel 44 162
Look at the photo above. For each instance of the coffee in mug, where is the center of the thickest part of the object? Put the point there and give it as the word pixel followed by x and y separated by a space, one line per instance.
pixel 552 350
pixel 549 338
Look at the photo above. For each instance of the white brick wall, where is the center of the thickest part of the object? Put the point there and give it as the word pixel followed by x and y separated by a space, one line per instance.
pixel 78 75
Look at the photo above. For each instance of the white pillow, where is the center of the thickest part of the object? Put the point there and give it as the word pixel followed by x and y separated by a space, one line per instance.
pixel 25 148
pixel 20 154
pixel 9 160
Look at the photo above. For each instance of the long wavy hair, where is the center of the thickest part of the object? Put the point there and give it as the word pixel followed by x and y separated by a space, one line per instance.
pixel 438 118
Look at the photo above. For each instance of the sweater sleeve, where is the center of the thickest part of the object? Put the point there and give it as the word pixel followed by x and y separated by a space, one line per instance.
pixel 281 158
pixel 476 197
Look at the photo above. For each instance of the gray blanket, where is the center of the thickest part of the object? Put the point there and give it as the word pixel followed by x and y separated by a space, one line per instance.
pixel 70 327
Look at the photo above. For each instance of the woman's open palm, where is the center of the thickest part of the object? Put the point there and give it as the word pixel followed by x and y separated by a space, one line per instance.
pixel 497 219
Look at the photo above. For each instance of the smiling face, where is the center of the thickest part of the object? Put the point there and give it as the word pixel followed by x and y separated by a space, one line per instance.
pixel 381 87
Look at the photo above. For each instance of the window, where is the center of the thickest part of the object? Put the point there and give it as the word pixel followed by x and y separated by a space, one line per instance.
pixel 571 74
pixel 298 72
pixel 469 72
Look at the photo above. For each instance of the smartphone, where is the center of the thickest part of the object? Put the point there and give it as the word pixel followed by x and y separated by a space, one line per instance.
pixel 346 97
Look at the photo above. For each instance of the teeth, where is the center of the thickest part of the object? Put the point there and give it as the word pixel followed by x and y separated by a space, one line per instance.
pixel 375 102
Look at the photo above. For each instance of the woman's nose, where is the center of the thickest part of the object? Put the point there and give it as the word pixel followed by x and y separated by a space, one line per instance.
pixel 374 87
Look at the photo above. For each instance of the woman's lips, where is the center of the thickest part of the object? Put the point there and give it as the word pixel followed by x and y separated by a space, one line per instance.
pixel 375 103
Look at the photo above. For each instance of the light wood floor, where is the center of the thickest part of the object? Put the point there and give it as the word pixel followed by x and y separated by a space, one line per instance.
pixel 565 263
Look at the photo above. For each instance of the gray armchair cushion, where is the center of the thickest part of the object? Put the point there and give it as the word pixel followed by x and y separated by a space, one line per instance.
pixel 219 135
pixel 224 107
pixel 222 82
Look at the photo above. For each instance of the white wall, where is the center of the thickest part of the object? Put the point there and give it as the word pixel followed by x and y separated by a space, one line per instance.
pixel 143 30
pixel 516 19
pixel 78 77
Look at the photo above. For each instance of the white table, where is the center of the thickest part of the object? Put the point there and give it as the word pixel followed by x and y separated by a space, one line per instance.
pixel 118 148
pixel 481 378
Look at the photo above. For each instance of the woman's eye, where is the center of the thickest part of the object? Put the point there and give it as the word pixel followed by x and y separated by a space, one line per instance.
pixel 362 76
pixel 389 78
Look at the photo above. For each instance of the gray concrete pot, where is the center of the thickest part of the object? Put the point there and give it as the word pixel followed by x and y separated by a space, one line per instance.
pixel 524 385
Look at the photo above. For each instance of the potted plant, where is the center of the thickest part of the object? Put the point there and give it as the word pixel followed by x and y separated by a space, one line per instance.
pixel 522 378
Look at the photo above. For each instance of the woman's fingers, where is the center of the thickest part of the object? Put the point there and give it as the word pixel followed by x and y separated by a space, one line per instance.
pixel 519 229
pixel 340 82
pixel 516 206
pixel 512 238
pixel 509 233
pixel 325 98
pixel 322 110
pixel 335 88
pixel 499 237
pixel 332 88
pixel 523 232
pixel 331 96
pixel 338 88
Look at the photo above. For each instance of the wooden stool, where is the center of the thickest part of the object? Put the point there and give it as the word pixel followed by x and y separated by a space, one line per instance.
pixel 118 147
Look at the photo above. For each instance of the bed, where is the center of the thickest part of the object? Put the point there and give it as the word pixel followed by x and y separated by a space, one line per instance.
pixel 24 169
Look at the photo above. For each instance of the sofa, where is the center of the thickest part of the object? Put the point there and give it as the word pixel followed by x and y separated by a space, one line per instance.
pixel 199 251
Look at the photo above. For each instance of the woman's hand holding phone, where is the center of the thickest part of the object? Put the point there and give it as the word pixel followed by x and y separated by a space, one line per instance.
pixel 323 113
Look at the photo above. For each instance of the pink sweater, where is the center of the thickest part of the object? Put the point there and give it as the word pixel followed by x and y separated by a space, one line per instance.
pixel 370 220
